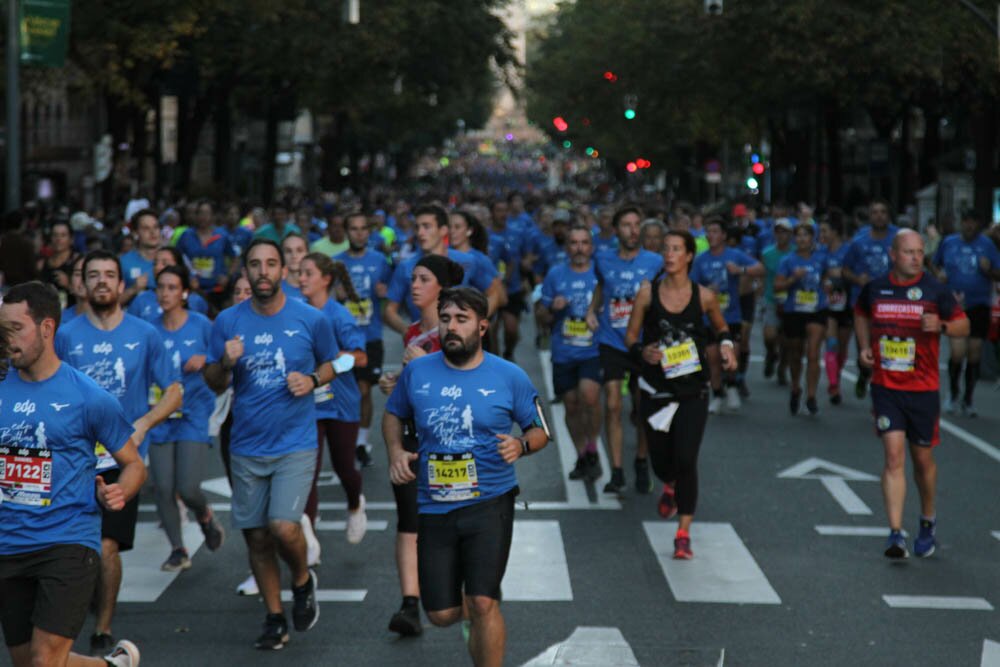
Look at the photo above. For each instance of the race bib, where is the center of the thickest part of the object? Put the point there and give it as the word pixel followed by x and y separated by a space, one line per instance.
pixel 155 394
pixel 452 477
pixel 621 310
pixel 806 301
pixel 780 297
pixel 577 333
pixel 502 268
pixel 679 359
pixel 104 459
pixel 838 301
pixel 362 311
pixel 723 300
pixel 26 476
pixel 203 266
pixel 897 355
pixel 323 393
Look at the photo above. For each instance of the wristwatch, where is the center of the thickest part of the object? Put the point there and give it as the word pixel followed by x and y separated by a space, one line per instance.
pixel 315 379
pixel 525 447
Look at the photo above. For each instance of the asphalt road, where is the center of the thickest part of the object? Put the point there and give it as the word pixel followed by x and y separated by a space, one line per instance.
pixel 778 577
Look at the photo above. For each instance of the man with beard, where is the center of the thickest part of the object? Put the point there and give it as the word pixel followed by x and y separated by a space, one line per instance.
pixel 464 403
pixel 370 274
pixel 49 544
pixel 275 351
pixel 619 274
pixel 126 357
pixel 137 265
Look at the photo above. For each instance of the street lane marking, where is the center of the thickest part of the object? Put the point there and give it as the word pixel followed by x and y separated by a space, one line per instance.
pixel 723 570
pixel 576 491
pixel 853 531
pixel 991 654
pixel 586 647
pixel 957 431
pixel 996 534
pixel 142 578
pixel 848 500
pixel 536 569
pixel 332 595
pixel 951 602
pixel 386 506
pixel 342 525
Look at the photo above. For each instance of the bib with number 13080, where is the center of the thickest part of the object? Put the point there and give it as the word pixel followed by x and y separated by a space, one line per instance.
pixel 897 355
pixel 452 477
pixel 679 359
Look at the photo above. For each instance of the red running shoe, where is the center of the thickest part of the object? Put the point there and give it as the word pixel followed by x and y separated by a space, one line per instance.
pixel 667 506
pixel 682 548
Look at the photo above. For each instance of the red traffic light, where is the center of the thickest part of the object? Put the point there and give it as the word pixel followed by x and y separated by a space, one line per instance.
pixel 642 163
pixel 610 76
pixel 631 167
pixel 560 123
pixel 757 168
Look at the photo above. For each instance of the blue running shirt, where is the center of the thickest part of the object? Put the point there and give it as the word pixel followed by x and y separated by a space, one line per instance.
pixel 710 271
pixel 48 433
pixel 340 399
pixel 571 339
pixel 267 419
pixel 458 414
pixel 125 362
pixel 367 271
pixel 620 280
pixel 146 307
pixel 806 295
pixel 191 421
pixel 961 266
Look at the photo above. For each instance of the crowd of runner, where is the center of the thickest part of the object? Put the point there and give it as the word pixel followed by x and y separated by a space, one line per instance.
pixel 134 346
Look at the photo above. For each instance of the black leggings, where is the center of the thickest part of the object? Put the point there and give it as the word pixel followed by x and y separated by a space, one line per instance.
pixel 674 455
pixel 406 494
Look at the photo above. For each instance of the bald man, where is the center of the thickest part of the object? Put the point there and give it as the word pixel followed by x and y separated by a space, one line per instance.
pixel 899 319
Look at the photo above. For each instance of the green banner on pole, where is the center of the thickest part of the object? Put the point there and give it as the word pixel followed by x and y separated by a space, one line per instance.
pixel 44 32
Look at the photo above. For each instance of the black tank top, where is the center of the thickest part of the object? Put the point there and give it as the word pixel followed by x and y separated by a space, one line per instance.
pixel 682 337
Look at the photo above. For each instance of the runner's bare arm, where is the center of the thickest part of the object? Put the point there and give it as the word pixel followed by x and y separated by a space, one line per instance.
pixel 642 300
pixel 392 317
pixel 496 295
pixel 399 458
pixel 131 479
pixel 595 303
pixel 169 403
pixel 863 332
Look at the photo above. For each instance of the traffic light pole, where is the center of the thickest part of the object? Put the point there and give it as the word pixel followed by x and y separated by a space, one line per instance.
pixel 13 138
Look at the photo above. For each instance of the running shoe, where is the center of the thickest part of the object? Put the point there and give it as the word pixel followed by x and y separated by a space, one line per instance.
pixel 835 397
pixel 177 561
pixel 643 482
pixel 795 398
pixel 617 482
pixel 861 386
pixel 248 587
pixel 682 548
pixel 925 544
pixel 812 406
pixel 126 654
pixel 275 634
pixel 743 389
pixel 214 534
pixel 969 410
pixel 715 405
pixel 733 402
pixel 357 523
pixel 364 456
pixel 949 407
pixel 895 546
pixel 406 621
pixel 305 611
pixel 667 506
pixel 101 643
pixel 593 462
pixel 770 359
pixel 313 549
pixel 581 470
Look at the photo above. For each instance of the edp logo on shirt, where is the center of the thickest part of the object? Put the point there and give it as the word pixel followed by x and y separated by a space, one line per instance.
pixel 263 339
pixel 103 348
pixel 451 392
pixel 25 407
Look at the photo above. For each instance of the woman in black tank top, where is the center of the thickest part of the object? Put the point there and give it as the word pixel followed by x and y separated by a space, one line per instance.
pixel 667 334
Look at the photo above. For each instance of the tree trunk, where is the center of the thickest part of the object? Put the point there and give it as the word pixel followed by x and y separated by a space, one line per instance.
pixel 270 153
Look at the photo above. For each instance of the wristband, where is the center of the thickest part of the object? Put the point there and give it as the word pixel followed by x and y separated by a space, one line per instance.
pixel 315 379
pixel 525 447
pixel 725 338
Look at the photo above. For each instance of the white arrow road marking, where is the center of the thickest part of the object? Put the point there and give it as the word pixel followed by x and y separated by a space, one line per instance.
pixel 991 654
pixel 723 570
pixel 219 486
pixel 576 492
pixel 342 525
pixel 142 578
pixel 834 478
pixel 951 602
pixel 332 595
pixel 596 647
pixel 537 570
pixel 854 531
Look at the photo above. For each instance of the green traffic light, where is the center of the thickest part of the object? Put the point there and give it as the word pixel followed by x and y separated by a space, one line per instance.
pixel 567 144
pixel 590 150
pixel 629 114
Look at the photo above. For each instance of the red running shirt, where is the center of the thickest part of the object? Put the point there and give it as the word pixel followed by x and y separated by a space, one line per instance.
pixel 428 340
pixel 906 356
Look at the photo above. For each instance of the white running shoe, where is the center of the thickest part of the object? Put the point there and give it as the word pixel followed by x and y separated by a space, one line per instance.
pixel 126 654
pixel 248 587
pixel 313 548
pixel 357 523
pixel 949 407
pixel 715 405
pixel 733 403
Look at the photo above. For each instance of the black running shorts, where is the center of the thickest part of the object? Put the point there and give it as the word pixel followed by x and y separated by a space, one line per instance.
pixel 119 526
